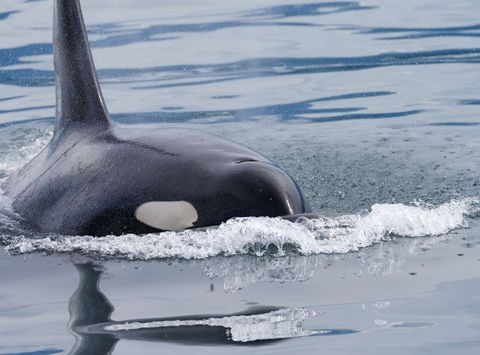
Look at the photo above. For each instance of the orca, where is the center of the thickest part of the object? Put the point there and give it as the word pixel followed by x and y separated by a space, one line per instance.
pixel 99 178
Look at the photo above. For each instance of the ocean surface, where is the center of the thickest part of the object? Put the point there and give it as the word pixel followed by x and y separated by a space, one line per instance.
pixel 372 107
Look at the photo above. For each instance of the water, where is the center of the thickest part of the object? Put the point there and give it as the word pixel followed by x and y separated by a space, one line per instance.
pixel 371 106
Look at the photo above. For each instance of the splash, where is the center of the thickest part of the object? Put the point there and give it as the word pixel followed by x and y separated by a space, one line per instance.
pixel 18 146
pixel 241 236
pixel 268 236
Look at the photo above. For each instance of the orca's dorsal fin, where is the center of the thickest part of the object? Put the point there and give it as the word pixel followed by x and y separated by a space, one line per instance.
pixel 80 102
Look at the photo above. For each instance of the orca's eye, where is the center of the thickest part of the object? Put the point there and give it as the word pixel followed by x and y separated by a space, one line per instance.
pixel 167 215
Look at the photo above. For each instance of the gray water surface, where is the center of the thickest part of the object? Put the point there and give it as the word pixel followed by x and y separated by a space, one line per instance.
pixel 365 104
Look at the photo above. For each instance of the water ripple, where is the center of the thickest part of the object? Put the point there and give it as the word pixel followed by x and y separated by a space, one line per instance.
pixel 302 110
pixel 258 67
pixel 119 33
pixel 397 33
pixel 6 14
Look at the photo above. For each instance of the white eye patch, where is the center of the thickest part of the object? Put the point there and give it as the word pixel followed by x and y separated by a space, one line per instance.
pixel 167 215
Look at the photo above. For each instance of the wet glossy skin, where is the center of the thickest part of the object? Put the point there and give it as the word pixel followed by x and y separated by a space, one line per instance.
pixel 95 185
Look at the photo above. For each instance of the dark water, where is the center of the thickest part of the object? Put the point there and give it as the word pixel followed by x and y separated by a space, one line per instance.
pixel 372 106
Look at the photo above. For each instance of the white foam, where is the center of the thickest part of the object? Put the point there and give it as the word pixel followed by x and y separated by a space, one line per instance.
pixel 280 324
pixel 273 236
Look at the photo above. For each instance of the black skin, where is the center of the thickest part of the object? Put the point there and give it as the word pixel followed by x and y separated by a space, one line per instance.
pixel 94 185
pixel 93 175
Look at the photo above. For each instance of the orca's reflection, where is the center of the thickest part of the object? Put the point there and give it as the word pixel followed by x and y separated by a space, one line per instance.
pixel 96 333
pixel 87 306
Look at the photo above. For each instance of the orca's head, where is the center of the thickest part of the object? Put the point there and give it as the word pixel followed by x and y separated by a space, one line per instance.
pixel 246 189
pixel 252 189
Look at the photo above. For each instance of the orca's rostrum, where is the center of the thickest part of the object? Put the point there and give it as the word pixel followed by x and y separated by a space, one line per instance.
pixel 99 178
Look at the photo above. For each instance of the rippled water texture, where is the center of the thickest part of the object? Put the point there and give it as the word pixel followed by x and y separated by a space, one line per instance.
pixel 372 106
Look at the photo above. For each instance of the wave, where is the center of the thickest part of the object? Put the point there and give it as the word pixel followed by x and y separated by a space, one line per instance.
pixel 262 236
pixel 18 145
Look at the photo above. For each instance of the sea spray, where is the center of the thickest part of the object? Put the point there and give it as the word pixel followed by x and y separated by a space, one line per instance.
pixel 268 236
